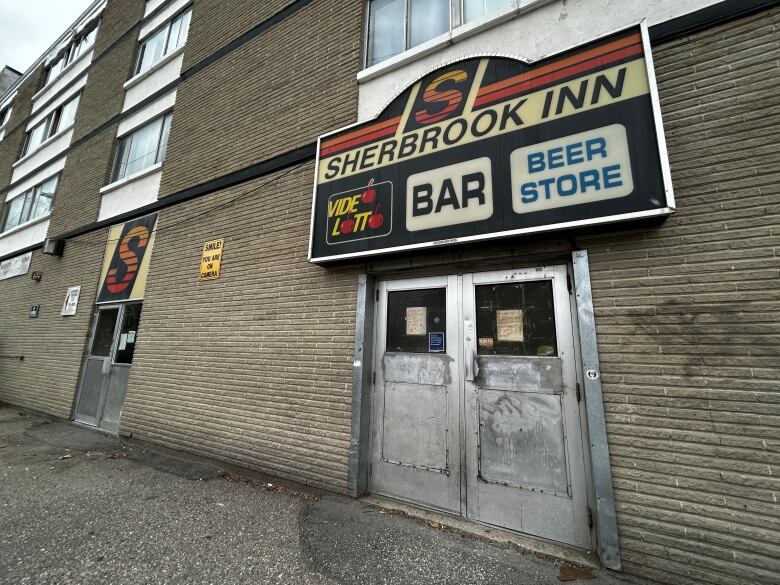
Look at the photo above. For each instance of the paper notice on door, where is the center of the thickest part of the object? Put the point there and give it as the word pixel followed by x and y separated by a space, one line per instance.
pixel 509 325
pixel 131 337
pixel 122 341
pixel 416 320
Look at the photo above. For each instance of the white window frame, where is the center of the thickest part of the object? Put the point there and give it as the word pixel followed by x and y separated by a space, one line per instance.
pixel 167 49
pixel 457 19
pixel 119 170
pixel 71 52
pixel 52 125
pixel 33 194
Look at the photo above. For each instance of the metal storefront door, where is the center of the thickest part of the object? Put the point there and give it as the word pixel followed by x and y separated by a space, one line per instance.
pixel 524 441
pixel 416 454
pixel 107 366
pixel 475 401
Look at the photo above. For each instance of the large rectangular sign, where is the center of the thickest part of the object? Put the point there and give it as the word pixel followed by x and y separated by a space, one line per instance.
pixel 493 147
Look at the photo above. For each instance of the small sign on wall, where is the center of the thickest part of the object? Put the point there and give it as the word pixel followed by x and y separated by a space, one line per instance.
pixel 16 266
pixel 211 259
pixel 34 310
pixel 71 302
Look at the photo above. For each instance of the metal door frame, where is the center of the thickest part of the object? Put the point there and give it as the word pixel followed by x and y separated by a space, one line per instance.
pixel 600 478
pixel 88 355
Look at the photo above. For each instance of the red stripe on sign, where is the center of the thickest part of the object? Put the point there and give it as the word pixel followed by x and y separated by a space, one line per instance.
pixel 358 141
pixel 365 134
pixel 576 64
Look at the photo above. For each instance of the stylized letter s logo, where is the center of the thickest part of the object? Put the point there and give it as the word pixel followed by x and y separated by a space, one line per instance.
pixel 116 284
pixel 449 98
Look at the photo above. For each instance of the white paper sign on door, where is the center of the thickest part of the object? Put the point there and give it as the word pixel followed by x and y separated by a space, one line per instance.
pixel 509 325
pixel 416 320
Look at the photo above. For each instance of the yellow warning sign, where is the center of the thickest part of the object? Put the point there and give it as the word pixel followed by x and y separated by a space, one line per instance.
pixel 211 260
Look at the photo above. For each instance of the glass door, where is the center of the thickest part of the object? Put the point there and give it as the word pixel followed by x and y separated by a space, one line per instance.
pixel 107 366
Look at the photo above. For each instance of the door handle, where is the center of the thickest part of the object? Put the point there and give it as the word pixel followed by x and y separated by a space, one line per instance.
pixel 472 366
pixel 106 365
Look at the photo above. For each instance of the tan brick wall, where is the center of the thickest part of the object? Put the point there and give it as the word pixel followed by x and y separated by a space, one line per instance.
pixel 217 22
pixel 88 167
pixel 688 318
pixel 254 368
pixel 274 94
pixel 103 96
pixel 12 143
pixel 52 345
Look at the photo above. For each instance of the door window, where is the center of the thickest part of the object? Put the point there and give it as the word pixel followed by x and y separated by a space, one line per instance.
pixel 127 334
pixel 417 320
pixel 104 332
pixel 516 319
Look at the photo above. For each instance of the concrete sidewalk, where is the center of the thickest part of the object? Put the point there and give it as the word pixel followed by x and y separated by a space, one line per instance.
pixel 81 507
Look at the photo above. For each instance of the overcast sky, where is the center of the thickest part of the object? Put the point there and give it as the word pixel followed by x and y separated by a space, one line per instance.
pixel 28 27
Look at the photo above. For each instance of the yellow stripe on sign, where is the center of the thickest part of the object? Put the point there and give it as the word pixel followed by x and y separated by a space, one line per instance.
pixel 599 89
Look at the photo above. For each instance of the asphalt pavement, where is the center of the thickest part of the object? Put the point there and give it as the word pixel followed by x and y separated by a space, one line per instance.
pixel 81 507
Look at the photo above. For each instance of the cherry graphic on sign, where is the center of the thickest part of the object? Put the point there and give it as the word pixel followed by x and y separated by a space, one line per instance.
pixel 346 226
pixel 376 219
pixel 369 194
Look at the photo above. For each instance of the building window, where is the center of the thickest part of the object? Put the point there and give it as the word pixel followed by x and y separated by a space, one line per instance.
pixel 78 46
pixel 142 148
pixel 395 26
pixel 5 113
pixel 168 38
pixel 29 205
pixel 57 121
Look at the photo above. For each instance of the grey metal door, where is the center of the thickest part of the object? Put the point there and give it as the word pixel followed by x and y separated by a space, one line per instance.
pixel 107 366
pixel 487 425
pixel 416 454
pixel 524 436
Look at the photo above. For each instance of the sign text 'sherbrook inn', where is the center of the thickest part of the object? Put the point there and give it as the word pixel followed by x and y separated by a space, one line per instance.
pixel 491 147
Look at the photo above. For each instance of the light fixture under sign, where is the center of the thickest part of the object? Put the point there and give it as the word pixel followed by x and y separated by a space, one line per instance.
pixel 53 247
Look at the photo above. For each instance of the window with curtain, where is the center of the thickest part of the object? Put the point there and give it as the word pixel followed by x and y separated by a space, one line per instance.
pixel 395 26
pixel 29 205
pixel 164 41
pixel 142 148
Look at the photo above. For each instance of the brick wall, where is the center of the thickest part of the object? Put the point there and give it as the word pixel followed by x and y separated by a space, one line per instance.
pixel 89 165
pixel 276 93
pixel 52 346
pixel 12 143
pixel 217 22
pixel 688 318
pixel 254 368
pixel 117 48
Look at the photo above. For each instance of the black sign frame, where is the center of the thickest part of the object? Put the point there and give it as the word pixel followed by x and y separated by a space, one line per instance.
pixel 656 150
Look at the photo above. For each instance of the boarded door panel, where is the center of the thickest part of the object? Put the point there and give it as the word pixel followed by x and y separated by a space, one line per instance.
pixel 521 440
pixel 415 425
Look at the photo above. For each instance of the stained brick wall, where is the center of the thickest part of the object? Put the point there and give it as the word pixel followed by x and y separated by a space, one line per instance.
pixel 688 319
pixel 276 93
pixel 51 345
pixel 254 368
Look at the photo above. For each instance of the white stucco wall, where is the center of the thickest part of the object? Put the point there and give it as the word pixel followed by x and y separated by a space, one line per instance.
pixel 545 29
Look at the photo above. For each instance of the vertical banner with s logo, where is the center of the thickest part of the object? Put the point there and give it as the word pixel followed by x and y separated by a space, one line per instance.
pixel 126 261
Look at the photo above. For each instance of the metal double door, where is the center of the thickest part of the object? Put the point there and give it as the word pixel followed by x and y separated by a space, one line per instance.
pixel 476 405
pixel 106 369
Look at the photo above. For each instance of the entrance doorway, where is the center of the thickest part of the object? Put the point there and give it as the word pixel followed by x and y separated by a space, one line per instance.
pixel 476 406
pixel 107 366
